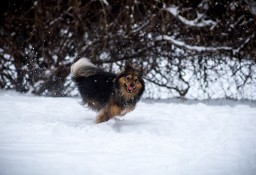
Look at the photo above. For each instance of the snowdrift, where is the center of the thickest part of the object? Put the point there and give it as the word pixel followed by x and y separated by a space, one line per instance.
pixel 57 136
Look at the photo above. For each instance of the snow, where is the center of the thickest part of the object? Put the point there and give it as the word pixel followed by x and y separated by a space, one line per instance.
pixel 106 2
pixel 51 136
pixel 235 51
pixel 197 22
pixel 203 48
pixel 189 47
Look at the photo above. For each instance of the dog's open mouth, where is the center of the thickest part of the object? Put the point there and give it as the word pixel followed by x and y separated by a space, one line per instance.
pixel 129 88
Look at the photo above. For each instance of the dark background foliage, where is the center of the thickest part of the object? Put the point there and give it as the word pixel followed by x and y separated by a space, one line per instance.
pixel 41 39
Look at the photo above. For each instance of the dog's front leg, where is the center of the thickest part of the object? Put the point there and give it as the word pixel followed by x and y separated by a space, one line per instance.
pixel 102 117
pixel 108 112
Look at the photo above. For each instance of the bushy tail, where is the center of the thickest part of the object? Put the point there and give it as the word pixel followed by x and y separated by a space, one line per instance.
pixel 83 68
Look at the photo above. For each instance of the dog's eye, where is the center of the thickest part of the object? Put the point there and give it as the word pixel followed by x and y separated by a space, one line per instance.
pixel 128 78
pixel 136 80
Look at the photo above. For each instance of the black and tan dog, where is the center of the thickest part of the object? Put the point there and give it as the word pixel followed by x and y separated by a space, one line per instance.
pixel 107 93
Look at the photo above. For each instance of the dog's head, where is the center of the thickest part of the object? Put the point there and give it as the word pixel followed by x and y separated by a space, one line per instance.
pixel 130 81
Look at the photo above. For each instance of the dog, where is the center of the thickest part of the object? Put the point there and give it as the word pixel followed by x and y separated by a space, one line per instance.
pixel 108 93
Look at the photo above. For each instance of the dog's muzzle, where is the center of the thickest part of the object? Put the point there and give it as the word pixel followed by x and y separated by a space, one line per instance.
pixel 130 87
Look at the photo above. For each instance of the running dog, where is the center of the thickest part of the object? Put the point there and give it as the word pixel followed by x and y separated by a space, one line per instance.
pixel 108 93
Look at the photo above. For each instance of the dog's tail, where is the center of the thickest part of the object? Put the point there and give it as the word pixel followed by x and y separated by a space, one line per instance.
pixel 83 68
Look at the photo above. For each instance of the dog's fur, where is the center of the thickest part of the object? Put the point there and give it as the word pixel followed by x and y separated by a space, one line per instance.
pixel 108 93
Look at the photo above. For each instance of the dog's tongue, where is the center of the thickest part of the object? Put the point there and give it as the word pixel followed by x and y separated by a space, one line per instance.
pixel 130 88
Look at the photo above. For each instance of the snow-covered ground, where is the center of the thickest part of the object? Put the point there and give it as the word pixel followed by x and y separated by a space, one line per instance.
pixel 57 136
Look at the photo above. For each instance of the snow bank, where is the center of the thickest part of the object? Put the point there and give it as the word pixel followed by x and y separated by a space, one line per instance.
pixel 51 136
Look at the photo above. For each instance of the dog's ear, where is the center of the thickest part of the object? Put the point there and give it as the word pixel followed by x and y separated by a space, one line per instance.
pixel 128 65
pixel 141 71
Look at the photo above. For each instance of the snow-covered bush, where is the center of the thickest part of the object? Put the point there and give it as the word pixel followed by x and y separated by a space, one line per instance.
pixel 196 49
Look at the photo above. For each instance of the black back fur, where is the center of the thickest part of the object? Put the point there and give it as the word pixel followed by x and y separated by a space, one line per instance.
pixel 97 88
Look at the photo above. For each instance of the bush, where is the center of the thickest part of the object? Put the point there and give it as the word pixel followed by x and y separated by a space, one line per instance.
pixel 185 47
